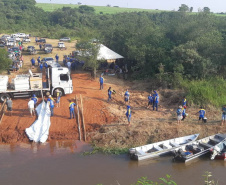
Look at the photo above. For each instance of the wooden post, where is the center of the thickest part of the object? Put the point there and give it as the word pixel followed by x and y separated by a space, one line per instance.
pixel 2 111
pixel 83 122
pixel 78 119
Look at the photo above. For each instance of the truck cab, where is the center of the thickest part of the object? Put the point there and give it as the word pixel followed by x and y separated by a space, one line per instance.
pixel 61 79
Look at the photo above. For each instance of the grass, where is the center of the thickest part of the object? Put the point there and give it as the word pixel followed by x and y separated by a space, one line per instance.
pixel 206 92
pixel 105 10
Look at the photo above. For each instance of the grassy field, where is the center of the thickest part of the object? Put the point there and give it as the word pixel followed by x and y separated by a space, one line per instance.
pixel 106 10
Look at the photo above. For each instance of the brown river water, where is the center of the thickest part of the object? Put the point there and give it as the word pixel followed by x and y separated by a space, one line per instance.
pixel 62 163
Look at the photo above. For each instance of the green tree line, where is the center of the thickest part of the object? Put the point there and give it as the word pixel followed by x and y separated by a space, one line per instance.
pixel 169 46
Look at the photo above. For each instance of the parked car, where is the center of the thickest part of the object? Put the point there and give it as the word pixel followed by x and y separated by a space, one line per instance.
pixel 61 45
pixel 17 39
pixel 22 35
pixel 41 40
pixel 48 60
pixel 11 42
pixel 48 48
pixel 30 48
pixel 2 45
pixel 15 49
pixel 65 39
pixel 26 40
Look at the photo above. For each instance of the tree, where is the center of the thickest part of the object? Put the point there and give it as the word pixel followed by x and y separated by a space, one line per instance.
pixel 191 9
pixel 88 52
pixel 206 10
pixel 5 61
pixel 183 8
pixel 86 9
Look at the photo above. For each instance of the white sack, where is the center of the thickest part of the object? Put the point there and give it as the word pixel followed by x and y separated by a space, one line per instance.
pixel 39 130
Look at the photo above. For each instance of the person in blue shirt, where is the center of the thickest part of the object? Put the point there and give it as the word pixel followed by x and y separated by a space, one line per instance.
pixel 41 67
pixel 35 99
pixel 126 96
pixel 179 114
pixel 128 114
pixel 50 102
pixel 101 80
pixel 33 62
pixel 57 58
pixel 184 113
pixel 150 100
pixel 202 114
pixel 223 115
pixel 39 61
pixel 109 94
pixel 155 101
pixel 184 102
pixel 72 109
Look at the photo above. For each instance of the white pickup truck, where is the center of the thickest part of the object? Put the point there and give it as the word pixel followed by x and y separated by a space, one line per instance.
pixel 57 78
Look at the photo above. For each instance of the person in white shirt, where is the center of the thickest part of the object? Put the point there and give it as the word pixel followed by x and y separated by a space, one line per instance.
pixel 31 107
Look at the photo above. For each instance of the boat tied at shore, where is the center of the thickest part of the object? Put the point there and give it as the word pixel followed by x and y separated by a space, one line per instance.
pixel 160 148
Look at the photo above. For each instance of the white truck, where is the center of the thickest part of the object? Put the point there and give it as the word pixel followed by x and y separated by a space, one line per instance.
pixel 57 77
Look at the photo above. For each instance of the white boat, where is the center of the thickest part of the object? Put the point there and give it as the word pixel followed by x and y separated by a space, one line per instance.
pixel 160 148
pixel 197 148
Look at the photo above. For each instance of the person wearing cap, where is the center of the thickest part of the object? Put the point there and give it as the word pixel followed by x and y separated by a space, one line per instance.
pixel 101 80
pixel 128 114
pixel 72 109
pixel 58 95
pixel 223 115
pixel 35 99
pixel 126 96
pixel 155 100
pixel 50 102
pixel 184 102
pixel 179 114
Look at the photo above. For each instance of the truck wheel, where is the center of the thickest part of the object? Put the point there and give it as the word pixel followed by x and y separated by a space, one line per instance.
pixel 55 92
pixel 4 97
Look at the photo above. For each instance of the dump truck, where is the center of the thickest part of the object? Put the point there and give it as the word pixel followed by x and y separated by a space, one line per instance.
pixel 25 85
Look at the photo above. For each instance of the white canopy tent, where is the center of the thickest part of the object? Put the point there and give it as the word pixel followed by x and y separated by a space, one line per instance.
pixel 107 54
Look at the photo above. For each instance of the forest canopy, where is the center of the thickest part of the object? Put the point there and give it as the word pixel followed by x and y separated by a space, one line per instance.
pixel 170 46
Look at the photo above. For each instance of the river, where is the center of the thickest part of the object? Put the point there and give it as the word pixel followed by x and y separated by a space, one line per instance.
pixel 58 163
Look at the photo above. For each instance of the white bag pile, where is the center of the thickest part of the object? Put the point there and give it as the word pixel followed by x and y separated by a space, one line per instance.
pixel 3 82
pixel 21 83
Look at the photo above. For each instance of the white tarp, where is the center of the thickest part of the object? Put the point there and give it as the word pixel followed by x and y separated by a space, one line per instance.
pixel 39 130
pixel 107 54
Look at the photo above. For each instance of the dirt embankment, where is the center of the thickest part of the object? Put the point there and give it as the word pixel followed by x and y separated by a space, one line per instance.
pixel 106 123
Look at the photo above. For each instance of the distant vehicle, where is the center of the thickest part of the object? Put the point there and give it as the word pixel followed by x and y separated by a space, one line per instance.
pixel 48 60
pixel 48 48
pixel 26 40
pixel 61 45
pixel 22 35
pixel 2 45
pixel 30 48
pixel 15 49
pixel 65 39
pixel 16 38
pixel 41 40
pixel 11 42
